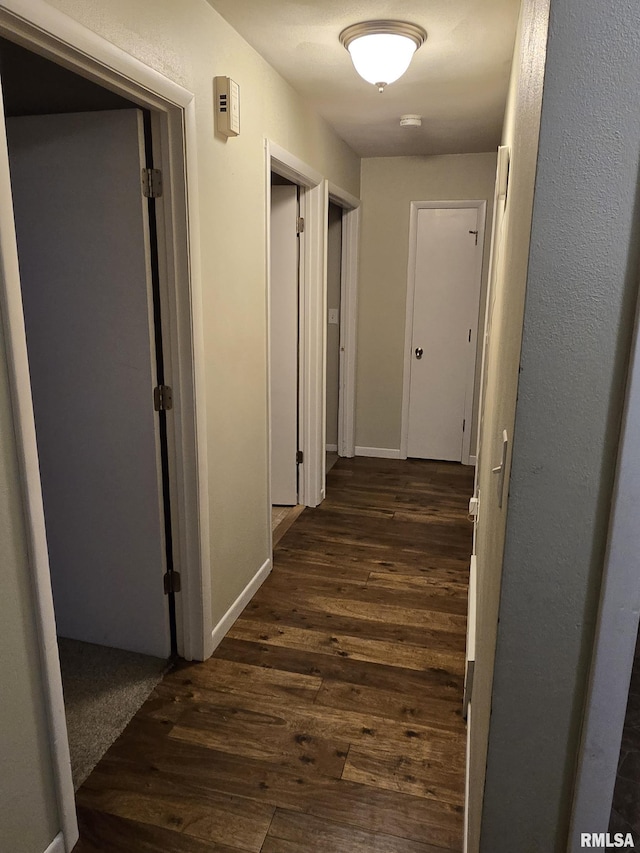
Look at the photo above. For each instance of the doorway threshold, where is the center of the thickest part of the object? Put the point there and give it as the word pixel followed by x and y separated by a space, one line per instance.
pixel 282 517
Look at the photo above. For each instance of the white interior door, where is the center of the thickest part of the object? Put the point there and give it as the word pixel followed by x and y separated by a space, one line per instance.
pixel 82 232
pixel 445 317
pixel 284 345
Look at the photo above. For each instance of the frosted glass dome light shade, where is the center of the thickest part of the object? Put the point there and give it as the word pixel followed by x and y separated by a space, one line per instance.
pixel 381 51
pixel 381 58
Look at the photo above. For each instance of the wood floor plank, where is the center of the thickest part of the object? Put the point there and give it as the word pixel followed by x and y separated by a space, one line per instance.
pixel 291 832
pixel 388 602
pixel 441 516
pixel 376 622
pixel 214 816
pixel 430 614
pixel 295 566
pixel 414 706
pixel 225 675
pixel 421 583
pixel 307 724
pixel 430 516
pixel 374 651
pixel 378 558
pixel 266 732
pixel 101 832
pixel 405 773
pixel 441 683
pixel 406 538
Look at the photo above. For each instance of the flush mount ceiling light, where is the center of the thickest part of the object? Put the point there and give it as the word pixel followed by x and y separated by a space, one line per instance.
pixel 381 51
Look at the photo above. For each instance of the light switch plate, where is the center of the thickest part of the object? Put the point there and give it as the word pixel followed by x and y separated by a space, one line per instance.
pixel 334 316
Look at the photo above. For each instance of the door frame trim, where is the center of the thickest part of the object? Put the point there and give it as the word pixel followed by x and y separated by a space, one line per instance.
pixel 52 34
pixel 348 317
pixel 314 208
pixel 481 206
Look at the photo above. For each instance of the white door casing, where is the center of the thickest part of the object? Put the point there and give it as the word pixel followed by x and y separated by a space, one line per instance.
pixel 83 245
pixel 442 318
pixel 283 372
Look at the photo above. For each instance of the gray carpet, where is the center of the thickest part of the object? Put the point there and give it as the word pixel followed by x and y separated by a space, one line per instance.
pixel 103 689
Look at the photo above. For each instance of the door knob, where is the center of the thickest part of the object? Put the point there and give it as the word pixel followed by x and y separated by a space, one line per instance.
pixel 419 352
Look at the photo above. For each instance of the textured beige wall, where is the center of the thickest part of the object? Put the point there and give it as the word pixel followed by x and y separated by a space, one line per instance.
pixel 28 816
pixel 581 301
pixel 522 122
pixel 388 186
pixel 334 266
pixel 190 43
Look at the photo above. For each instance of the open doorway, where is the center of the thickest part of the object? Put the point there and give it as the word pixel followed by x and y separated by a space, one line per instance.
pixel 305 203
pixel 53 36
pixel 343 235
pixel 334 326
pixel 343 239
pixel 284 353
pixel 284 170
pixel 87 251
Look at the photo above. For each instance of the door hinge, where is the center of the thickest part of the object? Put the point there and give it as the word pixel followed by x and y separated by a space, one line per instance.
pixel 464 423
pixel 151 183
pixel 299 457
pixel 476 233
pixel 300 225
pixel 172 582
pixel 163 398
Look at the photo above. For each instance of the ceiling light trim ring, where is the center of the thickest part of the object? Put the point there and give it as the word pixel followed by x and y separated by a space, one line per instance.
pixel 369 28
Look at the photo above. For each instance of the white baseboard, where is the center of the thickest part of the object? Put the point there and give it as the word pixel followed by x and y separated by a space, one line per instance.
pixel 473 460
pixel 378 452
pixel 331 448
pixel 219 631
pixel 57 845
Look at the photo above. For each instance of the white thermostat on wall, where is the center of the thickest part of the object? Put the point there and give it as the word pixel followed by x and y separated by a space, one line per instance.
pixel 227 95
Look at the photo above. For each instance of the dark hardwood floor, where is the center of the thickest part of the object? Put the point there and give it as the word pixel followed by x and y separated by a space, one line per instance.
pixel 329 719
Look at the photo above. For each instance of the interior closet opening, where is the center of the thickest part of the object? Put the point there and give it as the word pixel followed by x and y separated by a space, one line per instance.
pixel 87 247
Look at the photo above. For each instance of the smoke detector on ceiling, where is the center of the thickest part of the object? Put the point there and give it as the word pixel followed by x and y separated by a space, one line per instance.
pixel 410 121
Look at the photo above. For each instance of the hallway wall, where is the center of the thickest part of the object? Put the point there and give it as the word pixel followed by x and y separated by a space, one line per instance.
pixel 389 185
pixel 507 305
pixel 582 288
pixel 191 43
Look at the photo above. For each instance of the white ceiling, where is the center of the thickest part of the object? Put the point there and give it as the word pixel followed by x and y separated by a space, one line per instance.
pixel 457 80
